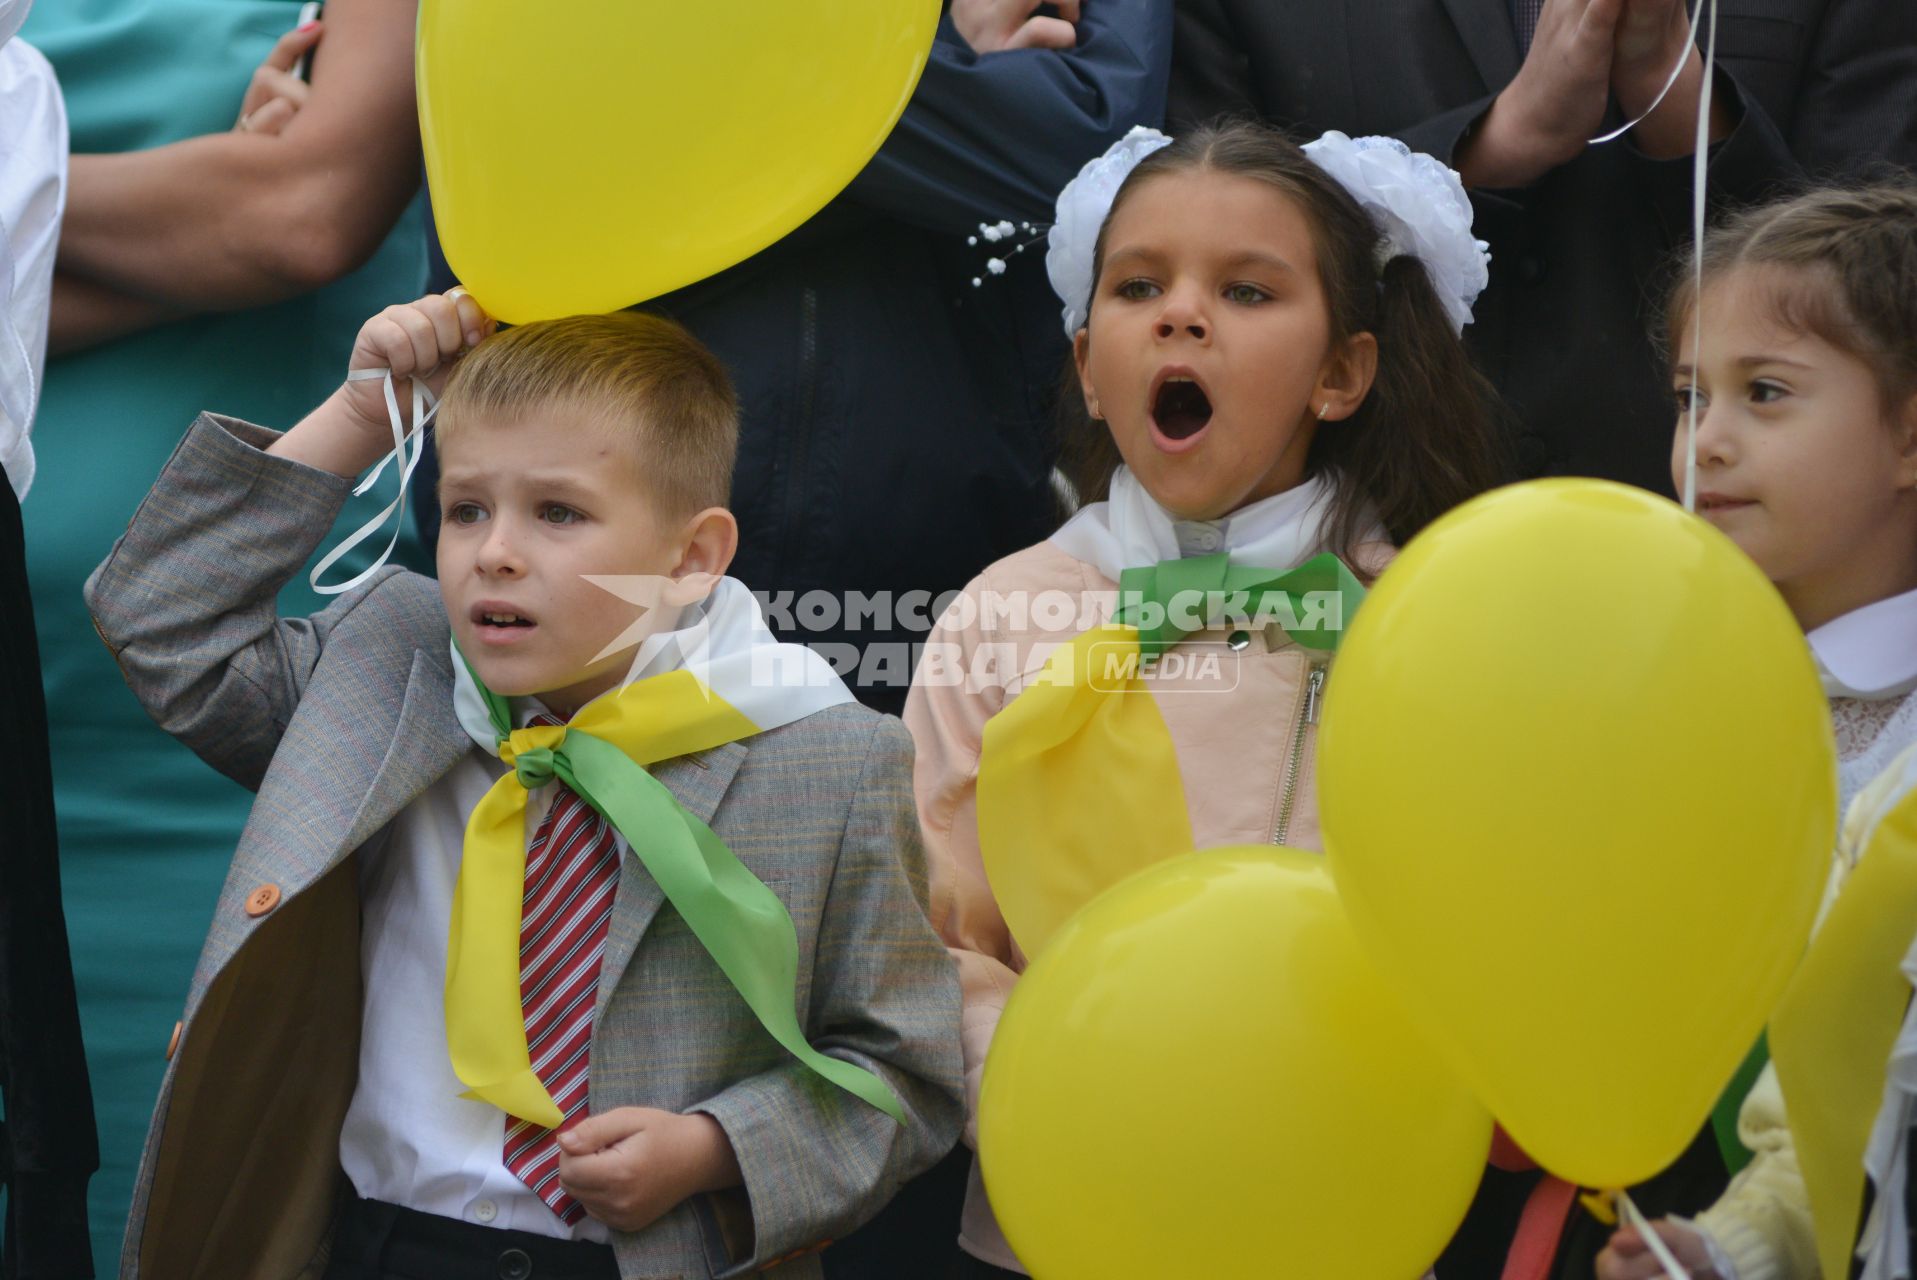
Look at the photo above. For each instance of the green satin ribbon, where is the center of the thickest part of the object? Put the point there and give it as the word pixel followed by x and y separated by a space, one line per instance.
pixel 741 923
pixel 1170 600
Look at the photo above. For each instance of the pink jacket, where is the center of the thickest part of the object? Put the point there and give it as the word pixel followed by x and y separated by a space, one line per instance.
pixel 1245 729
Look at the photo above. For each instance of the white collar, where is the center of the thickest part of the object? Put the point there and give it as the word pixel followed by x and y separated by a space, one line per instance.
pixel 1130 529
pixel 1869 652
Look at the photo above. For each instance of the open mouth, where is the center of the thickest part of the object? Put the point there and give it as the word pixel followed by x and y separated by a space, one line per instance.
pixel 494 619
pixel 1180 407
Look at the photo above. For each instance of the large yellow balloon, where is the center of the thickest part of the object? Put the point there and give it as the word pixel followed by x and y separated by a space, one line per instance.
pixel 587 155
pixel 1577 784
pixel 1203 1076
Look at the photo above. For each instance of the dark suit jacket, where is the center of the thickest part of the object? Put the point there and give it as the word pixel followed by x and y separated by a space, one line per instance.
pixel 1579 259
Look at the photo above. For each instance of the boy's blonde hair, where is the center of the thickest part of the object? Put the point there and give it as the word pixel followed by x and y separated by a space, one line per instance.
pixel 644 375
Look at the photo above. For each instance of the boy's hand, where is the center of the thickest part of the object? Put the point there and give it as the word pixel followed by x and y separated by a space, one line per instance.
pixel 1628 1258
pixel 632 1165
pixel 349 432
pixel 417 340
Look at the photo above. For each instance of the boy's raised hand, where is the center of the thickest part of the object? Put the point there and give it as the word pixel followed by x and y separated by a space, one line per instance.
pixel 631 1166
pixel 415 340
pixel 350 430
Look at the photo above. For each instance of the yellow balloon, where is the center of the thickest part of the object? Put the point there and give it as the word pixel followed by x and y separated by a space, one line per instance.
pixel 1203 1076
pixel 589 155
pixel 1577 784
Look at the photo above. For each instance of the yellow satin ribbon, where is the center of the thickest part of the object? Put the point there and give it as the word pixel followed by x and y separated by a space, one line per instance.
pixel 1078 781
pixel 652 720
pixel 1078 785
pixel 1833 1031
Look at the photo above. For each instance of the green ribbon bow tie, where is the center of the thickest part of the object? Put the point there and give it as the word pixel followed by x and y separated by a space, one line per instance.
pixel 1172 599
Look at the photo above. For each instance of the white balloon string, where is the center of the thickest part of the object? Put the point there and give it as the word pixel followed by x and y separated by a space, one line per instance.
pixel 1673 1269
pixel 1700 160
pixel 424 407
pixel 1690 42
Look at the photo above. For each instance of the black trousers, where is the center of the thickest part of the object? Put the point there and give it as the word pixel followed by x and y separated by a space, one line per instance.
pixel 915 1237
pixel 48 1147
pixel 375 1241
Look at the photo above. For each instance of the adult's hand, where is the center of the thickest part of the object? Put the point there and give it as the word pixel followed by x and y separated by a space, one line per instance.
pixel 1654 36
pixel 224 222
pixel 1555 104
pixel 275 94
pixel 993 26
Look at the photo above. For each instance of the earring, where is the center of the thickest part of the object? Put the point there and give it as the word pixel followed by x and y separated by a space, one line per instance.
pixel 1323 409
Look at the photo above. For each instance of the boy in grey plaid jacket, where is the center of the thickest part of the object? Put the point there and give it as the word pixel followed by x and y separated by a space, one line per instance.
pixel 311 1123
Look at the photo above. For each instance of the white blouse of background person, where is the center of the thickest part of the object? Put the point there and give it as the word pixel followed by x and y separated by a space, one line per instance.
pixel 33 193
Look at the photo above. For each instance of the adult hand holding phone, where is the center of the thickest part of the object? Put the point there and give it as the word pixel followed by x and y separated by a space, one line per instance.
pixel 279 89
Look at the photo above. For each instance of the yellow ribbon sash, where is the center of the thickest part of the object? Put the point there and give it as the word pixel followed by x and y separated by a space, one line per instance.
pixel 1078 785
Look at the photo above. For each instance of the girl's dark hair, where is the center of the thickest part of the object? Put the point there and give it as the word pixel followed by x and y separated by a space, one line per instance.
pixel 1424 439
pixel 1848 261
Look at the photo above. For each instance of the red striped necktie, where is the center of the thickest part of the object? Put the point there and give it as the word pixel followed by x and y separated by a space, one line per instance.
pixel 572 873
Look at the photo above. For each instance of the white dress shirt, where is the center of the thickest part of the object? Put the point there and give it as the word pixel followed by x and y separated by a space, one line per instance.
pixel 33 193
pixel 409 1138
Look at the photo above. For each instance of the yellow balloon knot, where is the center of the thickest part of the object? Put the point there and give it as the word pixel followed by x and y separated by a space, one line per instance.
pixel 1601 1205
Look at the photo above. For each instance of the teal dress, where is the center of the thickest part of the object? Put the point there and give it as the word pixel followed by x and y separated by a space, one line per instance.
pixel 146 830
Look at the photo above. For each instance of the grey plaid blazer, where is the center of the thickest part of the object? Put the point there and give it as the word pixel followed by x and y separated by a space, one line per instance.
pixel 338 721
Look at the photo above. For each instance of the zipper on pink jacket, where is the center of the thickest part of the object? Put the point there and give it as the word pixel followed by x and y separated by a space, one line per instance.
pixel 1314 684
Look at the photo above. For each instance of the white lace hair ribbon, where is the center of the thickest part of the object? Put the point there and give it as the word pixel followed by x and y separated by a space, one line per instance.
pixel 1418 204
pixel 1421 211
pixel 1079 214
pixel 424 407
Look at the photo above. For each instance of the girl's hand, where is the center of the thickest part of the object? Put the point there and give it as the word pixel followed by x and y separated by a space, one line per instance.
pixel 1627 1257
pixel 276 94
